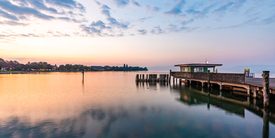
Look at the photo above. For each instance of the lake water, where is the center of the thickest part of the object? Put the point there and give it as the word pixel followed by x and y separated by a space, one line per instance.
pixel 111 104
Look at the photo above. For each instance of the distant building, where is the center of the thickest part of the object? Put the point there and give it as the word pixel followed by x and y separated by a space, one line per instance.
pixel 107 67
pixel 54 67
pixel 97 67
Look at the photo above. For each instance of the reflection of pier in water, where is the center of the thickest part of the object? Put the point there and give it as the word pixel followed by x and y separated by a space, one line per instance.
pixel 226 102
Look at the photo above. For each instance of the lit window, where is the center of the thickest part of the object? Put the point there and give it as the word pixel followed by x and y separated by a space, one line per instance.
pixel 198 70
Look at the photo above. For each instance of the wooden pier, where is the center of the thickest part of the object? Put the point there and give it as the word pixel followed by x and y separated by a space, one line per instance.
pixel 226 81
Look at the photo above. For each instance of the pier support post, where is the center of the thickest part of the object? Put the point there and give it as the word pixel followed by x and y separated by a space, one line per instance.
pixel 208 79
pixel 265 123
pixel 180 81
pixel 248 90
pixel 266 88
pixel 146 77
pixel 170 76
pixel 137 77
pixel 254 92
pixel 143 77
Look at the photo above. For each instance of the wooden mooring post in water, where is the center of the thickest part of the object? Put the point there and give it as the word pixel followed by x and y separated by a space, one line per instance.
pixel 152 78
pixel 266 88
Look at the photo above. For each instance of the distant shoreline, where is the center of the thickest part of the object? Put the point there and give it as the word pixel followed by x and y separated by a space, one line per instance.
pixel 35 72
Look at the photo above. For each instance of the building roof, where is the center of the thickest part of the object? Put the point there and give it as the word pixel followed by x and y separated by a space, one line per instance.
pixel 197 65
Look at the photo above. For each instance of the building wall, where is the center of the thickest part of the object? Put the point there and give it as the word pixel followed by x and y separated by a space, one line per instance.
pixel 192 69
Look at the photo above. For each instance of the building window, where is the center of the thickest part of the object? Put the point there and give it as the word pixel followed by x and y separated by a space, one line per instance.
pixel 184 69
pixel 198 70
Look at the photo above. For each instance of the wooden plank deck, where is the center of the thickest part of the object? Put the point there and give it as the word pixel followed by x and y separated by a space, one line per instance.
pixel 259 81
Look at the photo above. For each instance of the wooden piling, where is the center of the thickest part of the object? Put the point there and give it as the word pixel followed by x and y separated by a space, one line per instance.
pixel 137 78
pixel 255 94
pixel 170 75
pixel 142 77
pixel 180 82
pixel 266 88
pixel 83 76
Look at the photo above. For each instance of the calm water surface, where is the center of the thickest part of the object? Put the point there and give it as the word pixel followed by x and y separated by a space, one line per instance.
pixel 111 104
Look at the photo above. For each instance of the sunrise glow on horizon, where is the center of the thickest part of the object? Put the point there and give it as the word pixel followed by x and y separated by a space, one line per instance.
pixel 138 32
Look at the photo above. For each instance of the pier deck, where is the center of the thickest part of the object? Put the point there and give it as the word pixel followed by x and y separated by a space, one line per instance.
pixel 259 82
pixel 232 81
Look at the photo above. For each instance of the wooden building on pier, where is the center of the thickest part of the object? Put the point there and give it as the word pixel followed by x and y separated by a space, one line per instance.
pixel 197 67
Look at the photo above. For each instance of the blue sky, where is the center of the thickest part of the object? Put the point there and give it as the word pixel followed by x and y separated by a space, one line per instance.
pixel 138 32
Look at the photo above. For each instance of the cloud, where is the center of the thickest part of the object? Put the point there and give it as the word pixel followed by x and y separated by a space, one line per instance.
pixel 40 5
pixel 187 21
pixel 238 4
pixel 142 32
pixel 175 28
pixel 113 21
pixel 91 30
pixel 58 34
pixel 6 5
pixel 268 20
pixel 200 14
pixel 99 24
pixel 71 4
pixel 144 18
pixel 156 30
pixel 105 10
pixel 71 20
pixel 21 10
pixel 152 8
pixel 221 10
pixel 8 16
pixel 14 35
pixel 13 23
pixel 177 8
pixel 121 3
pixel 97 2
pixel 135 3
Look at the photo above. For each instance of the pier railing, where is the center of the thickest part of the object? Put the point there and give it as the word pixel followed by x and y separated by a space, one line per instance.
pixel 221 77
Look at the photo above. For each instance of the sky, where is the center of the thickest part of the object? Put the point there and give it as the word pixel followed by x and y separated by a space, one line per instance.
pixel 138 32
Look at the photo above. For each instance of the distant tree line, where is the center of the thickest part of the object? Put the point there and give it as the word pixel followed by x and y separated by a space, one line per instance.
pixel 44 66
pixel 70 67
pixel 38 66
pixel 116 68
pixel 16 66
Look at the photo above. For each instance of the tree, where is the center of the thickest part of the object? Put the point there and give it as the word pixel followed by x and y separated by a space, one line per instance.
pixel 2 62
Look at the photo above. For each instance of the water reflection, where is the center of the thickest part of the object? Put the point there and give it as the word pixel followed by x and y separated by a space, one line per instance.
pixel 234 104
pixel 55 105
